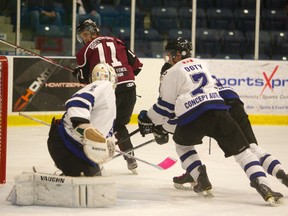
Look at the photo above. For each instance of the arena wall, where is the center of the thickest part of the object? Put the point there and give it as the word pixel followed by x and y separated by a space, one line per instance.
pixel 262 85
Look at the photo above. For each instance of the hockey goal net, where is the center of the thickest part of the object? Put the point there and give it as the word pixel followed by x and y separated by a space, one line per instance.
pixel 3 120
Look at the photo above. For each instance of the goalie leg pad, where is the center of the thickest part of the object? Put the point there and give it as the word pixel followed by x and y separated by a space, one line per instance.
pixel 51 190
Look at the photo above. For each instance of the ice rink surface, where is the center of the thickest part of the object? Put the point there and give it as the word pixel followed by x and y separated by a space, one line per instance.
pixel 151 192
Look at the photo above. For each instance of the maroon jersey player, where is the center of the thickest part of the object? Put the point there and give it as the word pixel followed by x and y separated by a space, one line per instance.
pixel 111 50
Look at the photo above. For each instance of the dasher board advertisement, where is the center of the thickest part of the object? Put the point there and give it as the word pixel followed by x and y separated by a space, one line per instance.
pixel 41 86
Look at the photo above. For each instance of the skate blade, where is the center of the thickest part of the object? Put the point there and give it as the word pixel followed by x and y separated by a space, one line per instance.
pixel 134 171
pixel 206 194
pixel 280 201
pixel 34 169
pixel 275 202
pixel 271 201
pixel 186 186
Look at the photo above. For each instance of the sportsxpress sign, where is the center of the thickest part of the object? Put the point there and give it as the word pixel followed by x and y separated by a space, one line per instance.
pixel 262 86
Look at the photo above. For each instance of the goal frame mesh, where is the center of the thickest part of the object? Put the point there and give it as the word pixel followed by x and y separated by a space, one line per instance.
pixel 3 120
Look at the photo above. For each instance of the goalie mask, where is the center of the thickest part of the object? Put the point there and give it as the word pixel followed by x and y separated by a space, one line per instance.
pixel 88 25
pixel 179 46
pixel 104 71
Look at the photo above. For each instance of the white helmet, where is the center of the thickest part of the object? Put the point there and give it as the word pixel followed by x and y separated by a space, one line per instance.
pixel 104 71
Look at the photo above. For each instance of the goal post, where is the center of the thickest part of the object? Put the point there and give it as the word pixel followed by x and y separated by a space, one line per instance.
pixel 3 120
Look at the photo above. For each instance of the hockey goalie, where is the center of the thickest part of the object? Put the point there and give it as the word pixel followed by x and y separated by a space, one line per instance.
pixel 79 144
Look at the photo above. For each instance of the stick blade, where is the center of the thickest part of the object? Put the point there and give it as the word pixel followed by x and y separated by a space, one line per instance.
pixel 167 163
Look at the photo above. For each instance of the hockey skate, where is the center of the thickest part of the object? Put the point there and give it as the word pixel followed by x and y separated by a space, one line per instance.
pixel 131 164
pixel 283 177
pixel 203 186
pixel 267 194
pixel 184 182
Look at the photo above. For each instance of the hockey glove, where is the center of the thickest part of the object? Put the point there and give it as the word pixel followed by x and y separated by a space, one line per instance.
pixel 144 123
pixel 95 146
pixel 87 131
pixel 77 73
pixel 99 152
pixel 160 134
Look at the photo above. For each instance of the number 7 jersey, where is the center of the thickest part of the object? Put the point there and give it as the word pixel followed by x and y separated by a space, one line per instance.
pixel 186 91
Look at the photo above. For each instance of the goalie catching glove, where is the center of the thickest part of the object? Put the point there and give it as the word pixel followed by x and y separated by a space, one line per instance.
pixel 95 146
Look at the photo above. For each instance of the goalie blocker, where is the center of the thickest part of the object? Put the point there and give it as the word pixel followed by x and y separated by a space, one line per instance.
pixel 63 191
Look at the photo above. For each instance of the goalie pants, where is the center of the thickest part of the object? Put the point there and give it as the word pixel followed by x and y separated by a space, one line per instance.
pixel 64 159
pixel 125 102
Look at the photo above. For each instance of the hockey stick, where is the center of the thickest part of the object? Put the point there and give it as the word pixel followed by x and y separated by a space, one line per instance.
pixel 35 54
pixel 45 123
pixel 34 119
pixel 165 164
pixel 134 148
pixel 129 135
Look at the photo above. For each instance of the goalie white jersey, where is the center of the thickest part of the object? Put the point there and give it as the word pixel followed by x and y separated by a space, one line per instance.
pixel 186 91
pixel 94 103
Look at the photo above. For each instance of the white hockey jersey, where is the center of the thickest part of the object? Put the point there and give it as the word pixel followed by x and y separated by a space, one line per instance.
pixel 95 102
pixel 186 91
pixel 226 92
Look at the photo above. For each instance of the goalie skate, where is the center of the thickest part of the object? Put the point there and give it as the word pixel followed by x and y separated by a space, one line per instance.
pixel 184 182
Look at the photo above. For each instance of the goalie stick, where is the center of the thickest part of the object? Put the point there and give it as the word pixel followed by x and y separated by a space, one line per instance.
pixel 165 164
pixel 47 124
pixel 34 119
pixel 35 54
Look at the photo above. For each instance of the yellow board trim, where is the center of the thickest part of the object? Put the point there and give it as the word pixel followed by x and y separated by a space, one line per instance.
pixel 269 119
pixel 16 120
